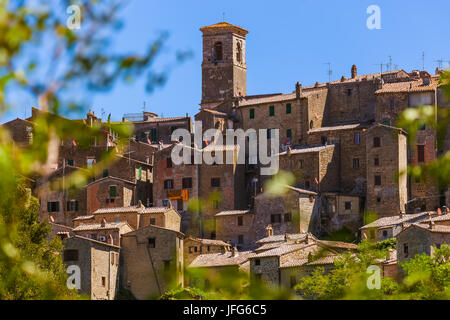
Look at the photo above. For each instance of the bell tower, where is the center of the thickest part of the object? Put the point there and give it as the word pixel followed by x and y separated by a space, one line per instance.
pixel 224 71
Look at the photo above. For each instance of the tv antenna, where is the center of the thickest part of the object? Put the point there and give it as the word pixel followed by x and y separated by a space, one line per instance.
pixel 423 60
pixel 441 63
pixel 223 16
pixel 390 63
pixel 330 72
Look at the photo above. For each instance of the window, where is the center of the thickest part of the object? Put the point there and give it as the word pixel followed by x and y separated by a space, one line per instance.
pixel 169 162
pixel 269 133
pixel 355 163
pixel 311 124
pixel 376 142
pixel 70 255
pixel 153 135
pixel 240 221
pixel 72 205
pixel 293 281
pixel 323 139
pixel 103 281
pixel 349 92
pixel 357 138
pixel 218 56
pixel 152 221
pixel 377 180
pixel 387 123
pixel 405 249
pixel 384 234
pixel 378 200
pixel 215 182
pixel 307 184
pixel 271 111
pixel 392 104
pixel 216 204
pixel 238 52
pixel 90 162
pixel 423 127
pixel 112 191
pixel 168 184
pixel 252 113
pixel 287 217
pixel 348 205
pixel 376 161
pixel 165 203
pixel 421 153
pixel 70 162
pixel 275 218
pixel 151 242
pixel 208 248
pixel 257 262
pixel 53 206
pixel 289 133
pixel 241 239
pixel 187 183
pixel 288 108
pixel 300 162
pixel 105 173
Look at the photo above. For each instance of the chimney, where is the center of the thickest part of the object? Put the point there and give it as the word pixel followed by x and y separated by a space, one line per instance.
pixel 354 72
pixel 438 71
pixel 298 90
pixel 288 152
pixel 103 223
pixel 269 230
pixel 343 79
pixel 234 252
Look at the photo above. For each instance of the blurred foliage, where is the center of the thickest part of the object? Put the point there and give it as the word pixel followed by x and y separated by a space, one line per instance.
pixel 344 234
pixel 42 58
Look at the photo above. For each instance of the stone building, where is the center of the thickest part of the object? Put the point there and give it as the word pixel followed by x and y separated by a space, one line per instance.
pixel 296 211
pixel 418 238
pixel 98 263
pixel 236 227
pixel 389 227
pixel 152 261
pixel 216 270
pixel 193 247
pixel 108 232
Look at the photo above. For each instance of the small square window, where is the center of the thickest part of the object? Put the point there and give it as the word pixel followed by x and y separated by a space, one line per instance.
pixel 355 163
pixel 112 191
pixel 257 262
pixel 70 255
pixel 275 218
pixel 349 92
pixel 252 114
pixel 168 184
pixel 385 233
pixel 152 221
pixel 376 161
pixel 240 239
pixel 215 182
pixel 378 200
pixel 421 153
pixel 357 138
pixel 103 281
pixel 70 162
pixel 151 242
pixel 240 221
pixel 348 205
pixel 405 249
pixel 187 183
pixel 169 162
pixel 289 133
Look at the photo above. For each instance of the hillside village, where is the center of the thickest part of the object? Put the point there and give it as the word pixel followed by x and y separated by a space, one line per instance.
pixel 134 225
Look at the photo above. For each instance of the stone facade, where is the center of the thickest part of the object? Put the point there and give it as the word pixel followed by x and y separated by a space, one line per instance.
pixel 153 261
pixel 236 228
pixel 98 263
pixel 193 247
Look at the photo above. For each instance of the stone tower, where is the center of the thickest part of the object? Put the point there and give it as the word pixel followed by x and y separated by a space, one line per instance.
pixel 224 71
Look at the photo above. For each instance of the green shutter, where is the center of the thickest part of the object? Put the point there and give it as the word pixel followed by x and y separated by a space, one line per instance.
pixel 269 133
pixel 288 108
pixel 271 111
pixel 153 135
pixel 289 133
pixel 140 173
pixel 112 191
pixel 57 206
pixel 76 205
pixel 68 205
pixel 49 206
pixel 252 113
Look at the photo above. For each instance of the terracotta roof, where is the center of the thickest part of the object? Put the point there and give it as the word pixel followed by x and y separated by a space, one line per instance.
pixel 338 244
pixel 154 120
pixel 408 86
pixel 110 177
pixel 437 228
pixel 95 241
pixel 98 226
pixel 304 262
pixel 394 220
pixel 155 210
pixel 83 218
pixel 213 112
pixel 210 242
pixel 273 98
pixel 340 127
pixel 444 217
pixel 308 149
pixel 282 238
pixel 302 191
pixel 223 25
pixel 119 210
pixel 281 250
pixel 220 259
pixel 232 213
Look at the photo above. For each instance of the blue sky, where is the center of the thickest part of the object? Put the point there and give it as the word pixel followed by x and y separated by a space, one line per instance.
pixel 288 41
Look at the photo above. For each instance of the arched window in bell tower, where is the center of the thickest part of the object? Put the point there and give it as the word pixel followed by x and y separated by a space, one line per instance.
pixel 239 52
pixel 218 55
